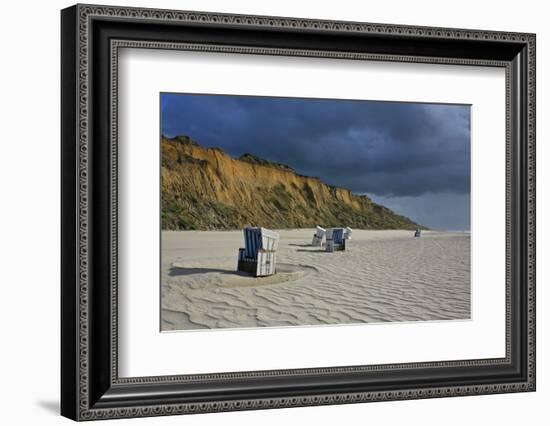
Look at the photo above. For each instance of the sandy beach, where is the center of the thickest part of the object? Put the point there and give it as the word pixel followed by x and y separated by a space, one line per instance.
pixel 382 276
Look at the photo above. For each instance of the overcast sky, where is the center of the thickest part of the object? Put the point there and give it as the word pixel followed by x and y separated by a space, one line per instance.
pixel 413 158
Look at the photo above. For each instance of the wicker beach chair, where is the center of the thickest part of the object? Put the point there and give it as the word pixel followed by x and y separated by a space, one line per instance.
pixel 318 237
pixel 417 233
pixel 335 240
pixel 258 257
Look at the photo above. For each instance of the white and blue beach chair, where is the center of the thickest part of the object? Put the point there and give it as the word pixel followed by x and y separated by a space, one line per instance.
pixel 318 237
pixel 336 239
pixel 258 257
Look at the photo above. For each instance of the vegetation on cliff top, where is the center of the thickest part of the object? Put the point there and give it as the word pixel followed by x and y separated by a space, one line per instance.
pixel 206 189
pixel 252 159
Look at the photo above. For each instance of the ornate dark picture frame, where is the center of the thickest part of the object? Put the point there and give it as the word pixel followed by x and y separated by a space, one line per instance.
pixel 90 385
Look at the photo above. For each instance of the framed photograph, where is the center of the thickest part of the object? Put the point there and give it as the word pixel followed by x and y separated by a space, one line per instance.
pixel 263 212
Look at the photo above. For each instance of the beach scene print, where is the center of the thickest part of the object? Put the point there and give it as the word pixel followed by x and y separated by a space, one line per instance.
pixel 279 212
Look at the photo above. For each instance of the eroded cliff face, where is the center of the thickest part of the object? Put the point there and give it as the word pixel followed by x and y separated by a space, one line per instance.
pixel 206 189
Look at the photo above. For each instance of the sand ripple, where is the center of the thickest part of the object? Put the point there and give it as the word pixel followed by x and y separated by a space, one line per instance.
pixel 384 276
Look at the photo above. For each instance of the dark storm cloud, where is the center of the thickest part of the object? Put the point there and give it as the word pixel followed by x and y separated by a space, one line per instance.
pixel 382 148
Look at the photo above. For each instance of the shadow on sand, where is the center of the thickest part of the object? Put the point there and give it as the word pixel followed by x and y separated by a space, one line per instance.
pixel 177 271
pixel 285 273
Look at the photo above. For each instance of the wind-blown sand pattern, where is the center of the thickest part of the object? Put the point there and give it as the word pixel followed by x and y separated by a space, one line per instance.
pixel 383 276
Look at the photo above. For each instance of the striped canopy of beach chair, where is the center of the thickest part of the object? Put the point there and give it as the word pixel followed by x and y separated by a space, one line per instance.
pixel 338 235
pixel 318 236
pixel 335 239
pixel 259 254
